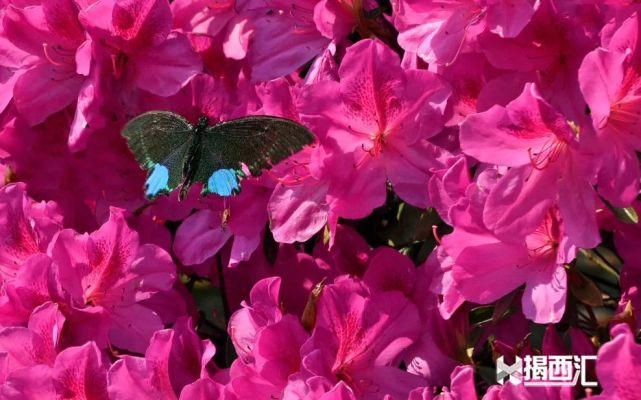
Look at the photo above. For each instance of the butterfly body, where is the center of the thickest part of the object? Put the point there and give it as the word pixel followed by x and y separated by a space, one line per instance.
pixel 179 154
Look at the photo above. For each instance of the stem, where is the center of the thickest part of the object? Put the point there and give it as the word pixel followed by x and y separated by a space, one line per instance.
pixel 223 290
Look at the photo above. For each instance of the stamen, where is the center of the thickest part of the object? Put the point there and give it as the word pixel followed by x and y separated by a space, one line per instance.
pixel 435 234
pixel 48 56
pixel 549 153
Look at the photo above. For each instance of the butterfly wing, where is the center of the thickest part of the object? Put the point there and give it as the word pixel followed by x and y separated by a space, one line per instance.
pixel 160 141
pixel 257 141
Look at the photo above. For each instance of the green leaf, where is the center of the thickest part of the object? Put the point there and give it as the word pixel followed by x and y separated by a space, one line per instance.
pixel 209 303
pixel 627 215
pixel 584 289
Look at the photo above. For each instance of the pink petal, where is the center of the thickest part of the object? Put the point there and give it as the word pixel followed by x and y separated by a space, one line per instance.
pixel 133 326
pixel 202 389
pixel 142 23
pixel 579 216
pixel 508 17
pixel 79 373
pixel 600 77
pixel 164 69
pixel 520 199
pixel 44 90
pixel 200 237
pixel 282 42
pixel 544 296
pixel 619 364
pixel 507 136
pixel 485 268
pixel 297 212
pixel 62 21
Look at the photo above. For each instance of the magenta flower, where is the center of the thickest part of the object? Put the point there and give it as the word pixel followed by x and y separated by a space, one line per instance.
pixel 548 51
pixel 25 226
pixel 133 48
pixel 357 338
pixel 611 83
pixel 374 124
pixel 81 373
pixel 139 43
pixel 284 37
pixel 263 310
pixel 47 49
pixel 618 365
pixel 460 388
pixel 485 268
pixel 37 343
pixel 104 276
pixel 437 30
pixel 174 359
pixel 548 168
pixel 276 356
pixel 33 352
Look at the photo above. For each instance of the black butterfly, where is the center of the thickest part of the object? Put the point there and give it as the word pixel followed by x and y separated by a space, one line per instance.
pixel 179 154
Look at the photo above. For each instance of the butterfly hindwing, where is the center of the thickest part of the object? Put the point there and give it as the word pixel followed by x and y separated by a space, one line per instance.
pixel 159 140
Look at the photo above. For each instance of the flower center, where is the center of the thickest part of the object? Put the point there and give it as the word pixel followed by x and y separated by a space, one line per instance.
pixel 547 154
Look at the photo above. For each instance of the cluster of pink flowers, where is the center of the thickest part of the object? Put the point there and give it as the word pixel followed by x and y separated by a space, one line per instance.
pixel 471 194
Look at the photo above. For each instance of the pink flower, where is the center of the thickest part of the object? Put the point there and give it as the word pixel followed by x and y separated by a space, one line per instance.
pixel 349 254
pixel 373 127
pixel 548 52
pixel 335 19
pixel 618 365
pixel 611 83
pixel 81 372
pixel 461 387
pixel 83 184
pixel 437 30
pixel 262 310
pixel 284 38
pixel 37 343
pixel 276 356
pixel 547 168
pixel 32 352
pixel 447 186
pixel 511 391
pixel 357 339
pixel 134 48
pixel 47 48
pixel 174 359
pixel 26 291
pixel 203 234
pixel 203 389
pixel 486 268
pixel 26 227
pixel 139 43
pixel 104 276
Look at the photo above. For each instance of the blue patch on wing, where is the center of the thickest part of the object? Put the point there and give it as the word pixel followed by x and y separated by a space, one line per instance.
pixel 157 180
pixel 223 182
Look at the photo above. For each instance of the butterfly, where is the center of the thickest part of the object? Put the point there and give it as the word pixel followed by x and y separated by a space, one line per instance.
pixel 179 154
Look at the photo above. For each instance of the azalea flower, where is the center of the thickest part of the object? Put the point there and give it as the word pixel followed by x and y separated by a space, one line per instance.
pixel 548 168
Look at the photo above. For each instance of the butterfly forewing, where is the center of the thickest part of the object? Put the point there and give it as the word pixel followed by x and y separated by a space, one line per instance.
pixel 159 140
